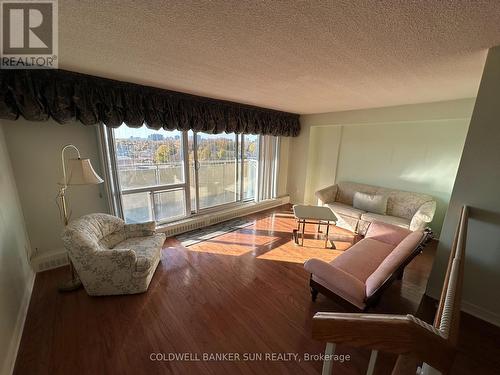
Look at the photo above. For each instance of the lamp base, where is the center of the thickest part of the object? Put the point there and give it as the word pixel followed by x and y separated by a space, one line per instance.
pixel 70 285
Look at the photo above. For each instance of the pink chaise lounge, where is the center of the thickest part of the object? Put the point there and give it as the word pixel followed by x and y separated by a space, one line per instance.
pixel 364 271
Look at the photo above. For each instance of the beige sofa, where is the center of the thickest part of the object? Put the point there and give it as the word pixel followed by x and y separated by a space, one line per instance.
pixel 405 209
pixel 112 257
pixel 360 274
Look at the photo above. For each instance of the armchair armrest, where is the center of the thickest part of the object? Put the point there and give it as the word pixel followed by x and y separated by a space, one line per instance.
pixel 423 216
pixel 115 259
pixel 140 229
pixel 346 285
pixel 328 194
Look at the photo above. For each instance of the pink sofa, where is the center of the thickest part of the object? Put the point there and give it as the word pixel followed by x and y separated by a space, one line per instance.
pixel 364 271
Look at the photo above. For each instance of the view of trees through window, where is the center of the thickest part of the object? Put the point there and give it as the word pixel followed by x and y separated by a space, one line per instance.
pixel 151 166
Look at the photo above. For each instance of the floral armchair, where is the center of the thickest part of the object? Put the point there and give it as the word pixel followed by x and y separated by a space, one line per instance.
pixel 112 257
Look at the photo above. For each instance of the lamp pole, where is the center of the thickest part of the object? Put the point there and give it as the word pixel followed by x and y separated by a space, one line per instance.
pixel 75 282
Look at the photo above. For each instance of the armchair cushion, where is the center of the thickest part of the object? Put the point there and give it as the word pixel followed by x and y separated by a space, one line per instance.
pixel 112 239
pixel 144 248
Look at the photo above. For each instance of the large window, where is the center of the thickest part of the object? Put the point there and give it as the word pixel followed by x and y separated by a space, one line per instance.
pixel 151 173
pixel 250 157
pixel 168 175
pixel 215 168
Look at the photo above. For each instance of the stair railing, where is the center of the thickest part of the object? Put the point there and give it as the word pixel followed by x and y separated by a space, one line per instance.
pixel 413 340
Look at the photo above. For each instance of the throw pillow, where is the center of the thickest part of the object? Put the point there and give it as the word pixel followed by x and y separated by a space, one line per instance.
pixel 370 202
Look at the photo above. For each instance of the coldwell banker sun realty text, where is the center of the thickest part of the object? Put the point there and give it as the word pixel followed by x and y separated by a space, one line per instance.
pixel 29 37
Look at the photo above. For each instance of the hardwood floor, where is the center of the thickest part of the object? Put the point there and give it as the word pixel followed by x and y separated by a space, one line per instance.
pixel 242 292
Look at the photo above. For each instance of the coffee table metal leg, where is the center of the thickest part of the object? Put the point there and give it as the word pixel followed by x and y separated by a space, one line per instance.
pixel 296 233
pixel 303 230
pixel 326 236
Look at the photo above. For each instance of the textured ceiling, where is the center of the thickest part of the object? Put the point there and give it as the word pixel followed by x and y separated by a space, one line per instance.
pixel 297 56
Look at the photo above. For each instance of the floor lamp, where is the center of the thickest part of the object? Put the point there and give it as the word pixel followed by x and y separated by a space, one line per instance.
pixel 80 173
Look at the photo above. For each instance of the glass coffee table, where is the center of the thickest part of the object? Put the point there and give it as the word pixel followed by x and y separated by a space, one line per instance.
pixel 319 215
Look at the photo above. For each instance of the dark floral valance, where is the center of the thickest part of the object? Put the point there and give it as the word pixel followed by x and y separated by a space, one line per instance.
pixel 66 96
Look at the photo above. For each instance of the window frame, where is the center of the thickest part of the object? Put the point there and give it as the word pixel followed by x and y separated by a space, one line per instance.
pixel 116 193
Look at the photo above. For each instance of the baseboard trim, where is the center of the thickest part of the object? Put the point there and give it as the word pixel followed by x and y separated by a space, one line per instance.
pixel 481 313
pixel 49 260
pixel 19 327
pixel 474 310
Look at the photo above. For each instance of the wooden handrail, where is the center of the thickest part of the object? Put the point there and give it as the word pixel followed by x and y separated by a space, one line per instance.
pixel 397 334
pixel 448 313
pixel 407 335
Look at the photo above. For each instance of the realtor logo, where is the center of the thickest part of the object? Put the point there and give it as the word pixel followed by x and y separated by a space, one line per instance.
pixel 29 34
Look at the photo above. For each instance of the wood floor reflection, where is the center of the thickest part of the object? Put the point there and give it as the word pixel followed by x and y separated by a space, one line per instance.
pixel 270 238
pixel 242 292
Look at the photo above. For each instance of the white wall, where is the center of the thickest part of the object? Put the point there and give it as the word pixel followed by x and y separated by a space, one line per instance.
pixel 283 166
pixel 478 185
pixel 322 159
pixel 397 160
pixel 35 151
pixel 411 147
pixel 16 277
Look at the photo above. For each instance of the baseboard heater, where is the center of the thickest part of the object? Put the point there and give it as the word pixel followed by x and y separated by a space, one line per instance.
pixel 57 258
pixel 206 220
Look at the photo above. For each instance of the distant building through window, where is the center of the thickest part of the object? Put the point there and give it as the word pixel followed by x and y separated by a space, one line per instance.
pixel 168 175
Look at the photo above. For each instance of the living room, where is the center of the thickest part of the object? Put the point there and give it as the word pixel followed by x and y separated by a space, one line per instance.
pixel 214 187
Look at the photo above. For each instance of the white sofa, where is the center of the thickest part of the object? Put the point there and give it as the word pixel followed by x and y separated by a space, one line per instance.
pixel 405 209
pixel 112 257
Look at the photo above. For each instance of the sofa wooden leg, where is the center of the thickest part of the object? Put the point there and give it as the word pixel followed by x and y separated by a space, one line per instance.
pixel 314 294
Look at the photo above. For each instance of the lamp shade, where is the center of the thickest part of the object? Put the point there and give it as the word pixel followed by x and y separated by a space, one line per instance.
pixel 81 172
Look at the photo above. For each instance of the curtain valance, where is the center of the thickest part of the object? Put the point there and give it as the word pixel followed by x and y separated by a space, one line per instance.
pixel 67 96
